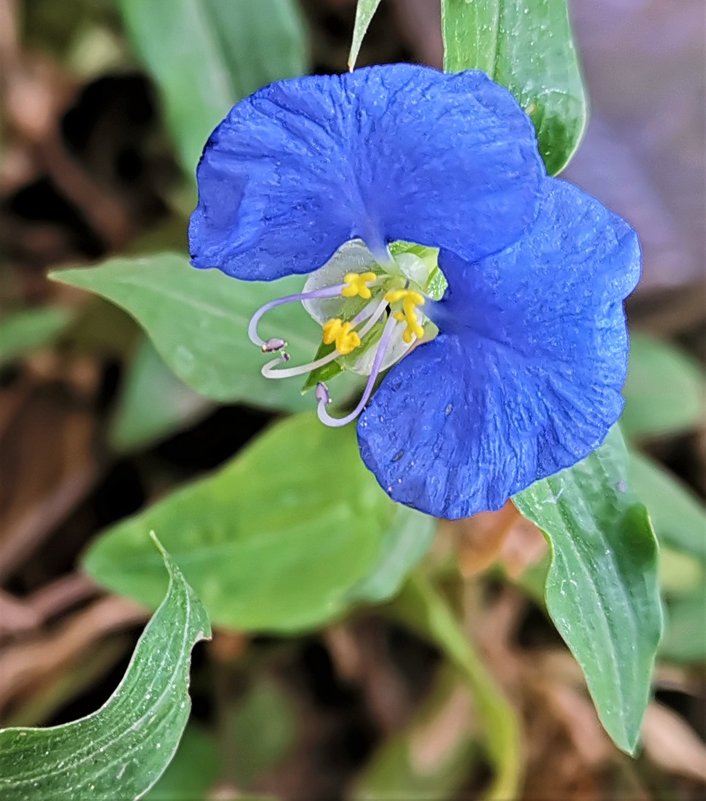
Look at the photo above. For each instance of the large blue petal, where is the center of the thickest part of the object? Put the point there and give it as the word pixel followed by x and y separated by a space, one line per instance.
pixel 525 377
pixel 384 153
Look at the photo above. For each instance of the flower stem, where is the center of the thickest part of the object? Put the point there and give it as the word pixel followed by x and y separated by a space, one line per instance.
pixel 420 606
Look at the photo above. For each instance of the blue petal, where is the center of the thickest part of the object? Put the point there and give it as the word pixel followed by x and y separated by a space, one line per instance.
pixel 385 153
pixel 525 377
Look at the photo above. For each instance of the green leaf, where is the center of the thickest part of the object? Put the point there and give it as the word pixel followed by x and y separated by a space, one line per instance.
pixel 206 54
pixel 25 331
pixel 685 638
pixel 602 588
pixel 198 320
pixel 122 749
pixel 678 516
pixel 665 389
pixel 153 403
pixel 282 538
pixel 364 12
pixel 526 46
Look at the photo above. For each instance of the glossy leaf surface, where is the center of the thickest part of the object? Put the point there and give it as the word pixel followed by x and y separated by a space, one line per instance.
pixel 121 750
pixel 602 588
pixel 525 45
pixel 152 403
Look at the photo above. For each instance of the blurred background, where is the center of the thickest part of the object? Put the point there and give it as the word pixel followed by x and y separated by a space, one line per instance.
pixel 93 426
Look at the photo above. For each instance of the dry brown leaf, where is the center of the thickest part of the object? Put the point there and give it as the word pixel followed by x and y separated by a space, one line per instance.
pixel 47 465
pixel 19 617
pixel 480 539
pixel 523 548
pixel 672 744
pixel 26 665
pixel 227 647
pixel 361 655
pixel 58 596
pixel 430 743
pixel 578 716
pixel 15 616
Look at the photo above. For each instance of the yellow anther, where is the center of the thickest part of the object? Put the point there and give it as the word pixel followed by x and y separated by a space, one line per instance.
pixel 331 329
pixel 395 295
pixel 357 285
pixel 335 330
pixel 410 300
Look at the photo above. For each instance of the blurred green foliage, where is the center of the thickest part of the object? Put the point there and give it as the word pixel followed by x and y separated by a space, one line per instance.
pixel 292 533
pixel 30 329
pixel 665 390
pixel 206 54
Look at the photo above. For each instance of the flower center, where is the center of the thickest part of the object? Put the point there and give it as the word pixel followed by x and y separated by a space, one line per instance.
pixel 370 316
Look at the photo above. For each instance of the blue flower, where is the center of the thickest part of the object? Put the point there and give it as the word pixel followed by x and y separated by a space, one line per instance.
pixel 393 183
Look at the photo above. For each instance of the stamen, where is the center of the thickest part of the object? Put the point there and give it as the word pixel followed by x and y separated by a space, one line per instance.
pixel 405 295
pixel 410 300
pixel 328 292
pixel 269 370
pixel 357 284
pixel 371 313
pixel 322 394
pixel 335 330
pixel 402 305
pixel 273 345
pixel 336 422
